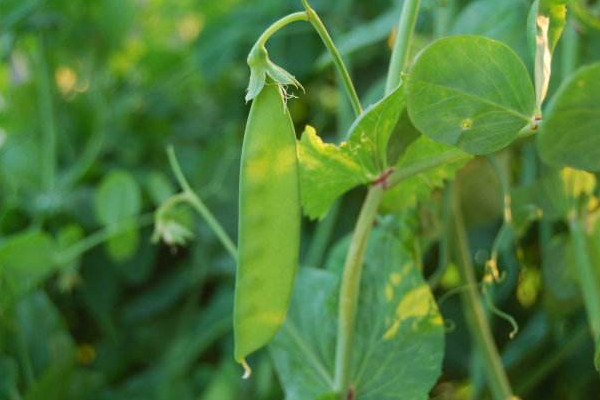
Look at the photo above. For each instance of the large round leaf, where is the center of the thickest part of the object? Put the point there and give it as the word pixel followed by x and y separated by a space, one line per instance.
pixel 398 344
pixel 570 132
pixel 471 92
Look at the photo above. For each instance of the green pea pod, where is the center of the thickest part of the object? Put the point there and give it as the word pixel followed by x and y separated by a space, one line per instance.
pixel 269 224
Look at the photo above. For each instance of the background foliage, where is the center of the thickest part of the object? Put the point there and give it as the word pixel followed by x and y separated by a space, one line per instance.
pixel 91 93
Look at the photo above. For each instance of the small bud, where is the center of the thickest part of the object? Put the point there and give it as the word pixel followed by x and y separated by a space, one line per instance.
pixel 261 66
pixel 171 231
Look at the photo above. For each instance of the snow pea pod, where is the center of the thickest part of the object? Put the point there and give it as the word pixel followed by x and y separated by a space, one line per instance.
pixel 269 223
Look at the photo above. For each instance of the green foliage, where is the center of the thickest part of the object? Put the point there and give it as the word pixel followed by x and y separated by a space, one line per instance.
pixel 569 133
pixel 118 201
pixel 470 92
pixel 95 303
pixel 327 171
pixel 26 260
pixel 419 187
pixel 398 325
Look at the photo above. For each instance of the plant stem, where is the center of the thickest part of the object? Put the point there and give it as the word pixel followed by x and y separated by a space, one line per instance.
pixel 400 53
pixel 350 288
pixel 48 123
pixel 475 314
pixel 200 207
pixel 101 236
pixel 444 256
pixel 316 22
pixel 279 24
pixel 351 275
pixel 588 280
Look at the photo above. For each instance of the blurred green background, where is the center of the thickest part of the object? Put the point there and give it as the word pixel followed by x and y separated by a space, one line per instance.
pixel 92 93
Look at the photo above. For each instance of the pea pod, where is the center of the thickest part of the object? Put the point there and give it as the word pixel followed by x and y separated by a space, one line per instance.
pixel 269 223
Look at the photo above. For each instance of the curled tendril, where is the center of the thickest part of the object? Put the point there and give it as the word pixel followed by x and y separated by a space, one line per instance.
pixel 499 313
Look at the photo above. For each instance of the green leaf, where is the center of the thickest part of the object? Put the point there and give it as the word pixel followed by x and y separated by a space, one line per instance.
pixel 498 20
pixel 328 396
pixel 158 187
pixel 117 201
pixel 399 339
pixel 118 197
pixel 560 276
pixel 26 260
pixel 470 92
pixel 369 135
pixel 327 171
pixel 418 187
pixel 9 376
pixel 570 132
pixel 124 245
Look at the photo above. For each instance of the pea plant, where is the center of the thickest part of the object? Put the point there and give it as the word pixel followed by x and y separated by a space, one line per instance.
pixel 367 326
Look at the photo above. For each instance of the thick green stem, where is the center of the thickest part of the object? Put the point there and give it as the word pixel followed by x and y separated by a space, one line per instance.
pixel 200 207
pixel 588 280
pixel 351 276
pixel 475 314
pixel 47 121
pixel 401 51
pixel 350 289
pixel 316 22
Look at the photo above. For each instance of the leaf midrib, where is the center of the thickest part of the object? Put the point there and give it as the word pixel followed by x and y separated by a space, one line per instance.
pixel 478 98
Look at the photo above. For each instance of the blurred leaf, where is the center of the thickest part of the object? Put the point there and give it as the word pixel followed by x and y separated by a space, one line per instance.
pixel 223 384
pixel 363 35
pixel 26 260
pixel 9 375
pixel 560 277
pixel 569 132
pixel 42 330
pixel 399 339
pixel 117 200
pixel 158 187
pixel 498 20
pixel 53 384
pixel 479 106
